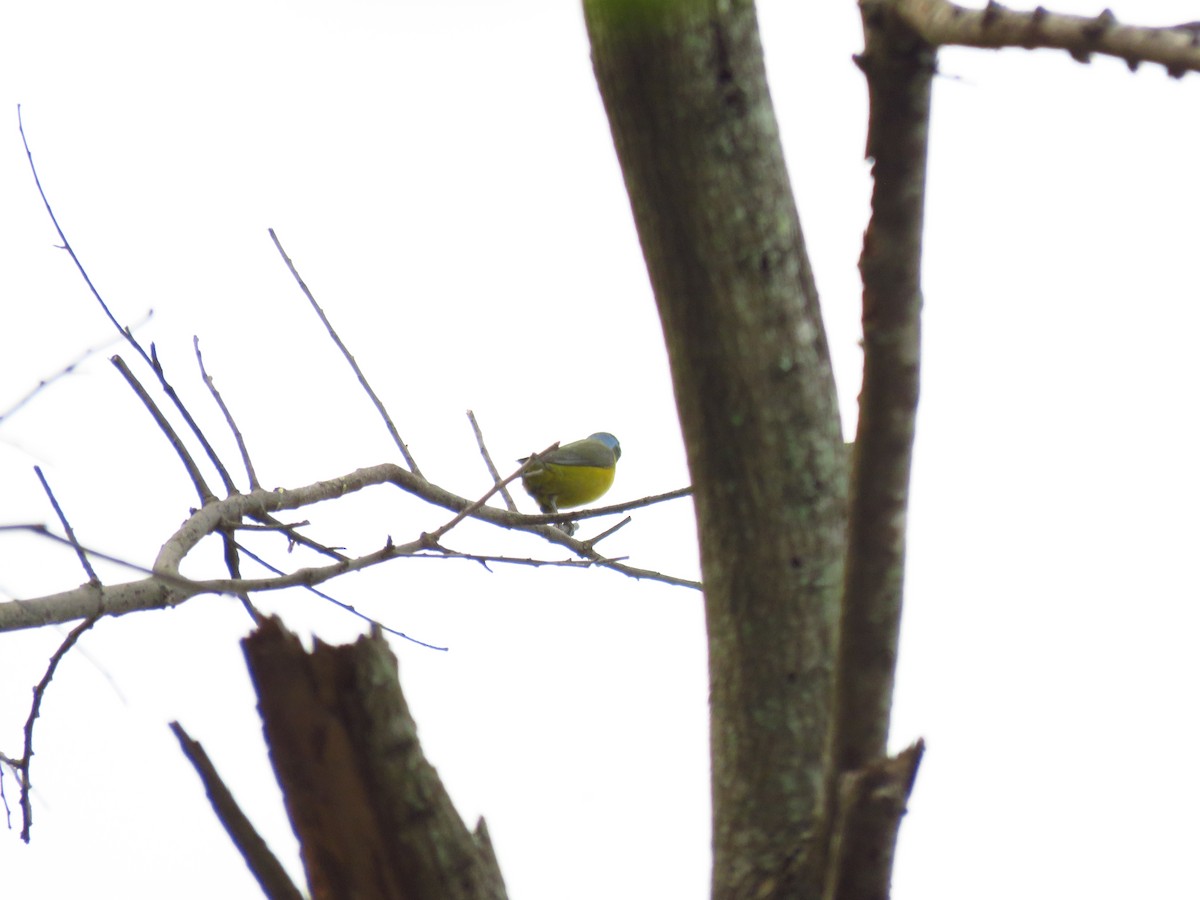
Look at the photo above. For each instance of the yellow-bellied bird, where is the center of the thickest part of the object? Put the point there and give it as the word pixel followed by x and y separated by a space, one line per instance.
pixel 574 474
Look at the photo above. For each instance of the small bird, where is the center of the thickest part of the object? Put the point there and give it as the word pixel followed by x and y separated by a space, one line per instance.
pixel 574 474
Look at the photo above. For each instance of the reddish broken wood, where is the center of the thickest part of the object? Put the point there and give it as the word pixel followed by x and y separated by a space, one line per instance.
pixel 372 816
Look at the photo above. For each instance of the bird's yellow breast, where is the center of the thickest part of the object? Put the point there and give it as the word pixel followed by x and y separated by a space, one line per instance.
pixel 566 486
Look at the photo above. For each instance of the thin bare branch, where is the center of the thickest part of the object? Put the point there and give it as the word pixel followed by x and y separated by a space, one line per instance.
pixel 13 765
pixel 39 692
pixel 375 623
pixel 151 358
pixel 206 495
pixel 263 864
pixel 66 244
pixel 233 561
pixel 43 531
pixel 68 369
pixel 62 518
pixel 362 379
pixel 1177 49
pixel 587 551
pixel 491 466
pixel 576 515
pixel 602 535
pixel 477 504
pixel 220 401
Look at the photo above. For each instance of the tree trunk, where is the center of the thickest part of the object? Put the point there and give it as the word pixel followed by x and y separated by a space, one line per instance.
pixel 685 89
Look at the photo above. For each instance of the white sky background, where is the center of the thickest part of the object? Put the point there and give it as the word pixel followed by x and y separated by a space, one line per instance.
pixel 443 176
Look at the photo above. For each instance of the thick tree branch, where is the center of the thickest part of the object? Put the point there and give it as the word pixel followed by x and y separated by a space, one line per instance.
pixel 939 23
pixel 899 69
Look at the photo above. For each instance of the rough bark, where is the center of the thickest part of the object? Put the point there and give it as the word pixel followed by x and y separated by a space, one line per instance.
pixel 899 69
pixel 686 94
pixel 372 816
pixel 873 789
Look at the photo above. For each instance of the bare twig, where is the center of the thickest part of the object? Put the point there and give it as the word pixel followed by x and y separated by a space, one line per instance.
pixel 237 433
pixel 231 547
pixel 185 457
pixel 585 549
pixel 151 358
pixel 67 370
pixel 484 559
pixel 14 765
pixel 263 864
pixel 1177 49
pixel 477 504
pixel 285 528
pixel 295 538
pixel 576 515
pixel 602 535
pixel 343 605
pixel 43 531
pixel 362 379
pixel 491 466
pixel 83 560
pixel 39 692
pixel 66 245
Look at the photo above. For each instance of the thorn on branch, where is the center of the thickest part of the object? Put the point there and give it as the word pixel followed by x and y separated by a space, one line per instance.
pixel 1098 26
pixel 942 23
